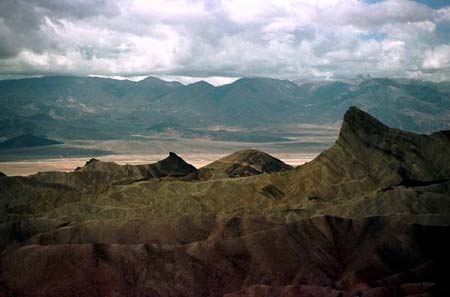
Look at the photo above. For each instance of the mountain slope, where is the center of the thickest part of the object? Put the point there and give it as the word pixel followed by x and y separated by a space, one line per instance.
pixel 367 217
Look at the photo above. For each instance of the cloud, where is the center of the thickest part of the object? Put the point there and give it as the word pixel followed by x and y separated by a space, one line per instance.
pixel 192 39
pixel 437 58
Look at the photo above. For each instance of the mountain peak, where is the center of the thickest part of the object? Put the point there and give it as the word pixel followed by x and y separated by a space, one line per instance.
pixel 174 156
pixel 155 81
pixel 92 160
pixel 242 163
pixel 201 83
pixel 358 123
pixel 357 117
pixel 260 160
pixel 174 163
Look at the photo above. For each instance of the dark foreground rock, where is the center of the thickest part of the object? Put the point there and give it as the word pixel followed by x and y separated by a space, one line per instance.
pixel 322 256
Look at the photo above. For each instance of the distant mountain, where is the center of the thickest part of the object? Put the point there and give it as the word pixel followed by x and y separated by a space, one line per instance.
pixel 407 104
pixel 27 140
pixel 99 108
pixel 78 107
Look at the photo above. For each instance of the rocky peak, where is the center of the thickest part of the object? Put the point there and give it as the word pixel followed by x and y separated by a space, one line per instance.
pixel 391 154
pixel 173 159
pixel 361 124
pixel 91 161
pixel 242 163
pixel 98 165
pixel 174 165
pixel 259 160
pixel 361 129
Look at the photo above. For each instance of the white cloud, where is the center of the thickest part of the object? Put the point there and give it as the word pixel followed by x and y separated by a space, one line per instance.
pixel 437 58
pixel 443 14
pixel 224 38
pixel 214 80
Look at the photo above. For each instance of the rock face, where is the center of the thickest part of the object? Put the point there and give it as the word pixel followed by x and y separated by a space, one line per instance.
pixel 367 217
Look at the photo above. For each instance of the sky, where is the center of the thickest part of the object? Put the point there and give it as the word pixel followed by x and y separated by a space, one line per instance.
pixel 221 40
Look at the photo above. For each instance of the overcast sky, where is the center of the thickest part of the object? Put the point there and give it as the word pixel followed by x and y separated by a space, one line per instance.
pixel 224 39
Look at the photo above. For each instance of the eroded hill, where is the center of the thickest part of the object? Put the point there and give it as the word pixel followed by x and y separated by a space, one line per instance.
pixel 367 217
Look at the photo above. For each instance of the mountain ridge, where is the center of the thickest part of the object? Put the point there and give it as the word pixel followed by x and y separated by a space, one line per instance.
pixel 61 107
pixel 367 217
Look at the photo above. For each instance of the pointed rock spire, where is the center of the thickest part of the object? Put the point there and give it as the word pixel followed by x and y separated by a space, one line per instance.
pixel 174 165
pixel 360 127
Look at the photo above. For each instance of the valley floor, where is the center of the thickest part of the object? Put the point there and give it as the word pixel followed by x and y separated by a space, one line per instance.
pixel 198 152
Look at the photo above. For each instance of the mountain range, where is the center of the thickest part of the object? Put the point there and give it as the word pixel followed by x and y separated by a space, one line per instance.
pixel 100 108
pixel 368 217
